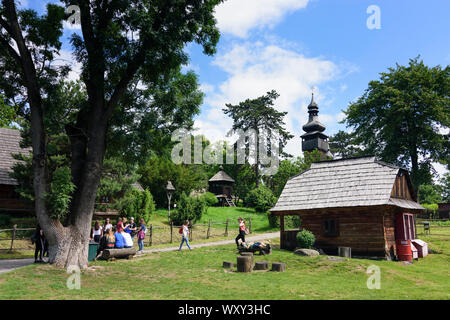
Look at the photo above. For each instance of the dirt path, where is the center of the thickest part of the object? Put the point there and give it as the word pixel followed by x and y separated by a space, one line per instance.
pixel 263 236
pixel 7 265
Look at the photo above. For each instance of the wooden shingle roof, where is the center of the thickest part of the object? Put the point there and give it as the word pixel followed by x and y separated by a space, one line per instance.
pixel 221 176
pixel 9 144
pixel 342 183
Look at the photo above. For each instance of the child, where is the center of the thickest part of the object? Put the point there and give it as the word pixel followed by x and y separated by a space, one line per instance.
pixel 141 236
pixel 184 236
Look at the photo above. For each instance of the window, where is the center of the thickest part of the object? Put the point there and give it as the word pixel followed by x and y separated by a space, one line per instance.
pixel 330 228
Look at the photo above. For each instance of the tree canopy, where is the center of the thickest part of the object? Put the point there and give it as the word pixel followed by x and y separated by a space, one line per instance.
pixel 402 118
pixel 260 115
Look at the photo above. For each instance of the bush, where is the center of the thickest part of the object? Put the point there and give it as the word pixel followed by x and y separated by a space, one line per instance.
pixel 138 204
pixel 262 199
pixel 188 208
pixel 209 198
pixel 5 221
pixel 306 239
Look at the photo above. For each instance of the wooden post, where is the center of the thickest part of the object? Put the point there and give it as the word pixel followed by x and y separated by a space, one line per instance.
pixel 226 228
pixel 171 232
pixel 13 237
pixel 190 233
pixel 250 224
pixel 415 226
pixel 209 229
pixel 281 223
pixel 244 264
pixel 151 234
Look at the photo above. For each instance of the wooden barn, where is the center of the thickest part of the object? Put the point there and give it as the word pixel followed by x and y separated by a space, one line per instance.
pixel 361 203
pixel 10 201
pixel 221 184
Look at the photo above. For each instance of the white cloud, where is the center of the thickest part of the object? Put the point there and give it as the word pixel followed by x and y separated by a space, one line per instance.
pixel 254 69
pixel 238 17
pixel 65 57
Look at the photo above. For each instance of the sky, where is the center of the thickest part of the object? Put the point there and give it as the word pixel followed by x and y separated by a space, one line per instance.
pixel 297 46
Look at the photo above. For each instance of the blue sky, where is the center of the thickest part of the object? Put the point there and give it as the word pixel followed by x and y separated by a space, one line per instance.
pixel 292 45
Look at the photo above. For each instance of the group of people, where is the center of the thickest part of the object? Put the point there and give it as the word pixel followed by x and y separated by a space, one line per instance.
pixel 122 236
pixel 119 236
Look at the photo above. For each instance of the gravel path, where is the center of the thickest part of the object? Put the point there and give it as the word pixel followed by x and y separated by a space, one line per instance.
pixel 7 265
pixel 263 236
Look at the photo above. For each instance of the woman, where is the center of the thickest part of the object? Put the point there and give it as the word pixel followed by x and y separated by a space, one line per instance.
pixel 241 234
pixel 97 232
pixel 110 239
pixel 107 225
pixel 184 236
pixel 39 239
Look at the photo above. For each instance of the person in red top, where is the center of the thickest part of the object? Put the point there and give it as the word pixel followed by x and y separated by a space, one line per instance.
pixel 119 226
pixel 242 229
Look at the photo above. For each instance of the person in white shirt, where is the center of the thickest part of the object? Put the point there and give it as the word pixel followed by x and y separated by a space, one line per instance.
pixel 184 236
pixel 128 240
pixel 107 225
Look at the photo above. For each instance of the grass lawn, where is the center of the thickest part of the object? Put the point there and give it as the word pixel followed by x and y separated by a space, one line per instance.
pixel 199 275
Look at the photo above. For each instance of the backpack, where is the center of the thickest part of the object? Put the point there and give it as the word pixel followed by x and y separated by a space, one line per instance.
pixel 141 235
pixel 180 231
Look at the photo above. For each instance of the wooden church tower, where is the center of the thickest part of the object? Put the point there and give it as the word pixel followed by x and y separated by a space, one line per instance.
pixel 314 138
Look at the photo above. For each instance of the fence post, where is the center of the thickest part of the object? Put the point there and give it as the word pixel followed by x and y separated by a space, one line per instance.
pixel 191 227
pixel 226 227
pixel 209 227
pixel 151 235
pixel 13 237
pixel 250 224
pixel 171 232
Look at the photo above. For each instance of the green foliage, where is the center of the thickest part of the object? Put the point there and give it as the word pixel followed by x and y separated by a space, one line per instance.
pixel 137 204
pixel 290 222
pixel 260 115
pixel 7 113
pixel 432 210
pixel 60 193
pixel 445 187
pixel 306 239
pixel 5 220
pixel 397 118
pixel 429 193
pixel 188 208
pixel 209 198
pixel 117 180
pixel 159 170
pixel 343 145
pixel 262 199
pixel 289 168
pixel 245 181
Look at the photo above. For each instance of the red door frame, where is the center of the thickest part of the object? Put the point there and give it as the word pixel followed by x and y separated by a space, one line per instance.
pixel 405 226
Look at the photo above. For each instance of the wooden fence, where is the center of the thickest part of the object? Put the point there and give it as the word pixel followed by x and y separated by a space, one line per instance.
pixel 15 236
pixel 156 234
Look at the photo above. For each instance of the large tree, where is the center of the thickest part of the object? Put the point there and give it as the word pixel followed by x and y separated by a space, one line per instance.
pixel 124 45
pixel 403 117
pixel 260 115
pixel 342 145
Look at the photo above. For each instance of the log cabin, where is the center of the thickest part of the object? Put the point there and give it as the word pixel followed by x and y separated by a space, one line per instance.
pixel 361 203
pixel 10 201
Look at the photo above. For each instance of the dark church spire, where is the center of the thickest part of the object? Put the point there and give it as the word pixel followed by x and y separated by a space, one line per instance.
pixel 314 138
